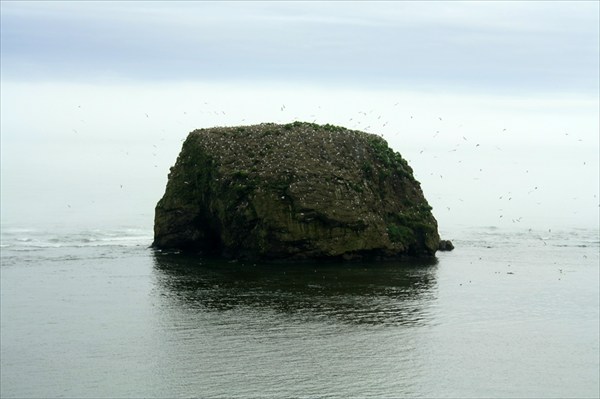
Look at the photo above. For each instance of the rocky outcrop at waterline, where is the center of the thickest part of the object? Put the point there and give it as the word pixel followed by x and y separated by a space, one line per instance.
pixel 294 191
pixel 445 245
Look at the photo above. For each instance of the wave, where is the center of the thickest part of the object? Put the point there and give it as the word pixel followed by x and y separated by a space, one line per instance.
pixel 496 237
pixel 32 239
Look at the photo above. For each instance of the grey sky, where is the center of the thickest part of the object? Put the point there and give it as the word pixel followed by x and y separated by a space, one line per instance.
pixel 494 104
pixel 487 46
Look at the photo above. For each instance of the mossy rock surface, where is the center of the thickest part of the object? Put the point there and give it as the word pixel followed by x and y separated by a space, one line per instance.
pixel 295 191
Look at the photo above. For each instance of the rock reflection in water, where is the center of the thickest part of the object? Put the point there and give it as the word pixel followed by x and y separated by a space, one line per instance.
pixel 388 293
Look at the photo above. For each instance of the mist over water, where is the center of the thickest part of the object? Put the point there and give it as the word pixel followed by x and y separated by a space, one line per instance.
pixel 101 154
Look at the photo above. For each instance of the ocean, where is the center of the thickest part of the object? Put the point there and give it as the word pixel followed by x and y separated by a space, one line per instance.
pixel 509 313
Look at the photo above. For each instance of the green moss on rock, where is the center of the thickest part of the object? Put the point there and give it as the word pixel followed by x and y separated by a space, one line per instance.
pixel 294 191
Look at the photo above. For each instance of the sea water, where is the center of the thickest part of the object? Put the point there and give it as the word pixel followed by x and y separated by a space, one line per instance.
pixel 97 313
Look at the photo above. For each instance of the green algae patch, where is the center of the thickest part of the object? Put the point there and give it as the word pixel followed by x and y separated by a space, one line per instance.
pixel 294 191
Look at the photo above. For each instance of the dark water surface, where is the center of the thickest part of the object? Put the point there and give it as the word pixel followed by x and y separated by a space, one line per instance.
pixel 98 314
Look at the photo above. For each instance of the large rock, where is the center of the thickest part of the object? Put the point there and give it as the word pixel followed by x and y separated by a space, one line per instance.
pixel 295 191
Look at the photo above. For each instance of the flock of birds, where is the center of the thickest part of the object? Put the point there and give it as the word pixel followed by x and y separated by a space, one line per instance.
pixel 318 149
pixel 372 122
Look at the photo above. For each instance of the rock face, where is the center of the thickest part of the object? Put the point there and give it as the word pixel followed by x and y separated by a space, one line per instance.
pixel 295 191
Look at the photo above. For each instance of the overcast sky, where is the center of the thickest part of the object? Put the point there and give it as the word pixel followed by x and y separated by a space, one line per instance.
pixel 484 46
pixel 494 104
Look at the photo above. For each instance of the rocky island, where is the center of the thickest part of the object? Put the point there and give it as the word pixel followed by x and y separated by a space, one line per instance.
pixel 292 192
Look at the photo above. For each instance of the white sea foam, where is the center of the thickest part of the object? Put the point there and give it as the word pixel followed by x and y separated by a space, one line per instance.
pixel 30 239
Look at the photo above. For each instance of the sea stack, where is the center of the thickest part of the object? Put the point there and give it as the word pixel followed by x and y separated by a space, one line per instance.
pixel 293 192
